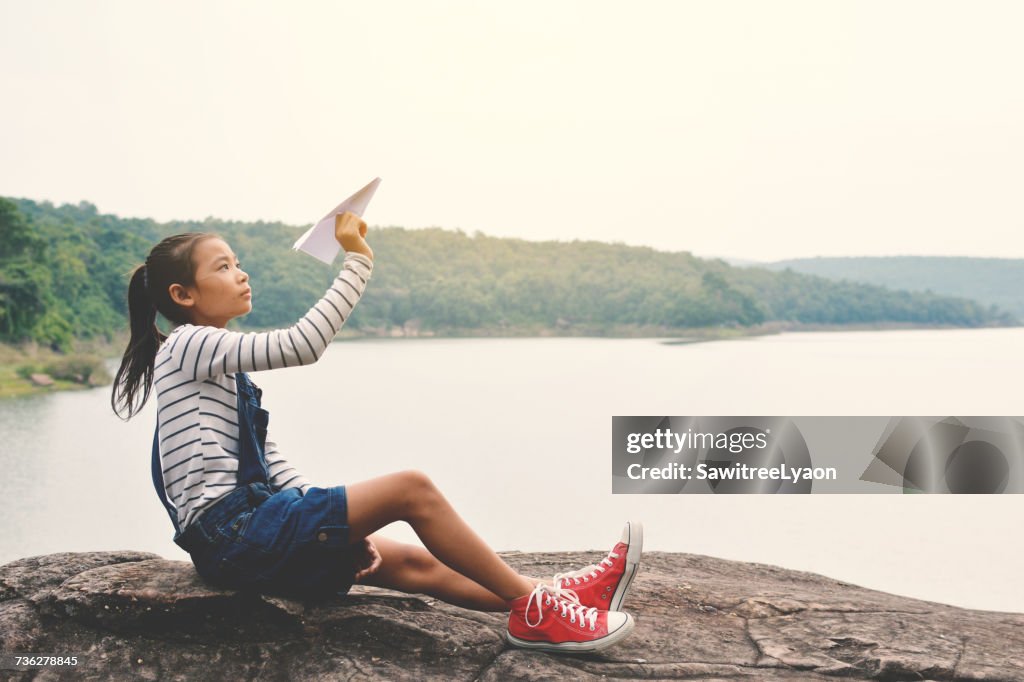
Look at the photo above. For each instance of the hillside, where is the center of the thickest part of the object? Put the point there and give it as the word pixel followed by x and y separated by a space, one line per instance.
pixel 63 276
pixel 990 281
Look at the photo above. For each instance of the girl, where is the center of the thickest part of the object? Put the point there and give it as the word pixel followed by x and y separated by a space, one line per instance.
pixel 250 520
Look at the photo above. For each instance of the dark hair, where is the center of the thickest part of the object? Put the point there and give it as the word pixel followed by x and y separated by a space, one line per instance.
pixel 170 262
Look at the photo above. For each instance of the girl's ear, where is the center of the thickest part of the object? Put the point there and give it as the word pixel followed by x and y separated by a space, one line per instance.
pixel 181 295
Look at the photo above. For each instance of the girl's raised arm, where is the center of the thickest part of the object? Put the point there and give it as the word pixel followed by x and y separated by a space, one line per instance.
pixel 199 352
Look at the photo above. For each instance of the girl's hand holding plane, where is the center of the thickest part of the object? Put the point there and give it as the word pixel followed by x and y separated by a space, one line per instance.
pixel 350 231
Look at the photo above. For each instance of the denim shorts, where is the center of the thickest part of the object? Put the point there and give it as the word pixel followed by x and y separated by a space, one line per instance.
pixel 282 543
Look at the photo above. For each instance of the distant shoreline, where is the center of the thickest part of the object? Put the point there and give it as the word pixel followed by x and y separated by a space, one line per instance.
pixel 13 357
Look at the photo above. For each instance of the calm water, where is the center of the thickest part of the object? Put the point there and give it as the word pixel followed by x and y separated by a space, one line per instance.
pixel 517 434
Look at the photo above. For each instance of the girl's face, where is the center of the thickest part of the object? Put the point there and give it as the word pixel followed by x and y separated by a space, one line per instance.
pixel 221 292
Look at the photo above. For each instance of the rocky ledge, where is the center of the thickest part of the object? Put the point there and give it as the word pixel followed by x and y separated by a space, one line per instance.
pixel 132 615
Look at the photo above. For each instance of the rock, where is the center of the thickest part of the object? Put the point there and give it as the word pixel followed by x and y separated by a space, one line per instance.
pixel 41 379
pixel 133 615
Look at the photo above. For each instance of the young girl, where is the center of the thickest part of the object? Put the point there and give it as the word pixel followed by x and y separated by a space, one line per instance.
pixel 250 520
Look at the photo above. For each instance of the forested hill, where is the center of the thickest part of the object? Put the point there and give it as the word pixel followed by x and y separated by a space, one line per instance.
pixel 991 281
pixel 63 275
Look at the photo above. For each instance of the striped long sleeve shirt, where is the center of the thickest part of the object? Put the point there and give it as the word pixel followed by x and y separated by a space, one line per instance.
pixel 197 416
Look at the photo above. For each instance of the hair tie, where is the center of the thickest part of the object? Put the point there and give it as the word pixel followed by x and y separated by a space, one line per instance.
pixel 145 277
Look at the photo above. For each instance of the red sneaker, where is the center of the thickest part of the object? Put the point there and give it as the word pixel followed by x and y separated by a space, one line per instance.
pixel 605 584
pixel 551 620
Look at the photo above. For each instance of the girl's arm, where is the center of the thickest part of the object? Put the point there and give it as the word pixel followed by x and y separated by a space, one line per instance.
pixel 282 474
pixel 199 352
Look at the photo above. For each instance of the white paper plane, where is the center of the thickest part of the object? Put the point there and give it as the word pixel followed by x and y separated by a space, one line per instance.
pixel 318 241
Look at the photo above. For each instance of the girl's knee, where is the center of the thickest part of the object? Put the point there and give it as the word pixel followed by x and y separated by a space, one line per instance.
pixel 420 563
pixel 414 479
pixel 414 568
pixel 419 492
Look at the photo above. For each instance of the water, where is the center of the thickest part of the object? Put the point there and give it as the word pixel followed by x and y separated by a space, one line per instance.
pixel 516 432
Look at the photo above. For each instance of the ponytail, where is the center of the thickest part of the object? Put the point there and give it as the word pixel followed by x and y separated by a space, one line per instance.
pixel 137 363
pixel 169 262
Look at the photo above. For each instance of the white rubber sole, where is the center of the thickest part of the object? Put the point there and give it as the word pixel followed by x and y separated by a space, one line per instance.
pixel 611 639
pixel 633 535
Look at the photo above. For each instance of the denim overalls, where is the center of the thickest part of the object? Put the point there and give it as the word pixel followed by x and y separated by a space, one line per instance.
pixel 260 538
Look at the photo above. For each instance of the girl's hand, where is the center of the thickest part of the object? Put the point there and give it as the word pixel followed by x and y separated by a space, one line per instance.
pixel 350 231
pixel 369 561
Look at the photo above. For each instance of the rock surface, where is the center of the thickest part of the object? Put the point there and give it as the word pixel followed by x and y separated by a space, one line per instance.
pixel 132 615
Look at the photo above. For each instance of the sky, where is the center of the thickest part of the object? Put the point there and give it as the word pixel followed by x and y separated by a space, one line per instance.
pixel 749 130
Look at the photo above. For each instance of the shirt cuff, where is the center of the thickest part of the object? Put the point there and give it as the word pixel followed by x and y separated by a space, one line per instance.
pixel 359 258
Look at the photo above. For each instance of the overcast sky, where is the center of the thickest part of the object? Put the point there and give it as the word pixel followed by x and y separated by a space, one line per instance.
pixel 756 130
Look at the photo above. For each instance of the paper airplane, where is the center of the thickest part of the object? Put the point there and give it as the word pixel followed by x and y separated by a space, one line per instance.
pixel 318 241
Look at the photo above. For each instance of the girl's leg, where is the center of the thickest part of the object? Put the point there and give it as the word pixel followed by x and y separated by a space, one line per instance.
pixel 412 569
pixel 412 497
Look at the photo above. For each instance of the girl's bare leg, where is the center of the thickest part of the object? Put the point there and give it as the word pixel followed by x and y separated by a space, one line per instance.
pixel 412 569
pixel 412 497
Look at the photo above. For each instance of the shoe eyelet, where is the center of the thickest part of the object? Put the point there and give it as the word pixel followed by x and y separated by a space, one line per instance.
pixel 592 628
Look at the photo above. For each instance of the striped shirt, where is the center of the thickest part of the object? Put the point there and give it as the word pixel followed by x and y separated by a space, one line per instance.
pixel 197 408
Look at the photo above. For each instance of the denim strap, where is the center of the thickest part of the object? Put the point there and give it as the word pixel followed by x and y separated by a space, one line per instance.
pixel 158 481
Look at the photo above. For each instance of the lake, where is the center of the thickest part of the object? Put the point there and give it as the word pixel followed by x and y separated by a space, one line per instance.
pixel 516 433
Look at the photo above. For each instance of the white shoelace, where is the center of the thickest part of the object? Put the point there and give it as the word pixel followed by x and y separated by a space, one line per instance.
pixel 564 601
pixel 581 575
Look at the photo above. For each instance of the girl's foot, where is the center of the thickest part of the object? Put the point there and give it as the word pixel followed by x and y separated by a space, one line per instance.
pixel 606 583
pixel 551 620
